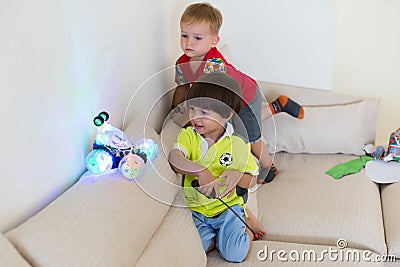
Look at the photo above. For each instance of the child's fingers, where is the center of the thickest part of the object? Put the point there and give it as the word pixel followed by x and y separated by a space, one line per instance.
pixel 228 191
pixel 209 188
pixel 224 193
pixel 224 174
pixel 202 189
pixel 231 193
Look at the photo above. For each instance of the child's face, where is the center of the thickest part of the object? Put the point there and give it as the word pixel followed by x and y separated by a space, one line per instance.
pixel 207 123
pixel 197 40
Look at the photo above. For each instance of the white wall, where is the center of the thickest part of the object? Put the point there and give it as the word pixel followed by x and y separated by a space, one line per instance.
pixel 285 41
pixel 367 56
pixel 61 63
pixel 358 55
pixel 64 61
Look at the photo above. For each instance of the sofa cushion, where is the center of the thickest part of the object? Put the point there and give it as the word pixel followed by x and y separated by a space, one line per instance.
pixel 164 180
pixel 272 253
pixel 309 96
pixel 102 220
pixel 305 205
pixel 176 242
pixel 169 134
pixel 9 256
pixel 324 129
pixel 329 111
pixel 390 196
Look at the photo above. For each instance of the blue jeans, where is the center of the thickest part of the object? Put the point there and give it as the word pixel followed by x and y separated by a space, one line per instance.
pixel 231 239
pixel 247 123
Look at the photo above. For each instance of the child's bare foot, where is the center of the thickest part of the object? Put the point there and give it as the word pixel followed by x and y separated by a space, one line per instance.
pixel 267 174
pixel 212 246
pixel 255 225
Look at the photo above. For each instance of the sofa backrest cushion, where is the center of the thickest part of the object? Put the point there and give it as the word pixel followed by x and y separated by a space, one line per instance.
pixel 176 242
pixel 164 180
pixel 333 123
pixel 169 134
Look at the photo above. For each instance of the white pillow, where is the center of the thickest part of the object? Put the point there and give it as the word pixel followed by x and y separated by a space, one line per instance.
pixel 324 129
pixel 314 97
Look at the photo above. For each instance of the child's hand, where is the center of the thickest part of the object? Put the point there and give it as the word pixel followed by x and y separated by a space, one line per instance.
pixel 208 183
pixel 232 178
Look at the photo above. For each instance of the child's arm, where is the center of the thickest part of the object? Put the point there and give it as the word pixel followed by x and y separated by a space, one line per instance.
pixel 247 180
pixel 182 165
pixel 233 178
pixel 180 94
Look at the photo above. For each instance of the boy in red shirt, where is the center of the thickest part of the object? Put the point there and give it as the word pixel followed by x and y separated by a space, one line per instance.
pixel 200 24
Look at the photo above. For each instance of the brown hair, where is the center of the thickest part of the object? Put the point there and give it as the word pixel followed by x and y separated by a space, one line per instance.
pixel 216 86
pixel 203 13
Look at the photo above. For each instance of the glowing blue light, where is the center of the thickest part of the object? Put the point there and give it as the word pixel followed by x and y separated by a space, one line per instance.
pixel 148 147
pixel 99 161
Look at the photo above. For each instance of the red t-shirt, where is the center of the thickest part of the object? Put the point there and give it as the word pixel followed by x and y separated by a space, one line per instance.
pixel 214 61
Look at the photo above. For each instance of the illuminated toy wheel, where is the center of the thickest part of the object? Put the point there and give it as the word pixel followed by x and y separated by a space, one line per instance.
pixel 105 115
pixel 131 166
pixel 149 147
pixel 98 121
pixel 101 118
pixel 99 161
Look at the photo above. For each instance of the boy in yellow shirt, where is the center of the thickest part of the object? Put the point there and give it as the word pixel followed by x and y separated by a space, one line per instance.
pixel 208 151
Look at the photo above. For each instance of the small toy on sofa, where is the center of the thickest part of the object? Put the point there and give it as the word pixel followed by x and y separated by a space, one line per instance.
pixel 112 149
pixel 374 152
pixel 393 152
pixel 386 169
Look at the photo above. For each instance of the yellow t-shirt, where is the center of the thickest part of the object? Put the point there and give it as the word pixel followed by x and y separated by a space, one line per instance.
pixel 230 152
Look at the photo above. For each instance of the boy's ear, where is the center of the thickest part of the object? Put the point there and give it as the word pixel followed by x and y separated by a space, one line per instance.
pixel 215 41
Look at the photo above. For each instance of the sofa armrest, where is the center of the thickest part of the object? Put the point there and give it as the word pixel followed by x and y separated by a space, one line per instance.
pixel 102 220
pixel 9 255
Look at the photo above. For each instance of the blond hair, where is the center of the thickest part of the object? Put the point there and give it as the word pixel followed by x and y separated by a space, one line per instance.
pixel 203 13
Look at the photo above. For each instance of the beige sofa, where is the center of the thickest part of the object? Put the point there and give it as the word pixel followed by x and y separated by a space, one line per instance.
pixel 310 218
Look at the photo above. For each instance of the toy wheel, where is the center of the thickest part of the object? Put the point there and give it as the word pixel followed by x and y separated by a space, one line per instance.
pixel 104 115
pixel 98 120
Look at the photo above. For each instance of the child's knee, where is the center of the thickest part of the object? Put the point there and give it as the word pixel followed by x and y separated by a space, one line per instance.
pixel 236 251
pixel 236 255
